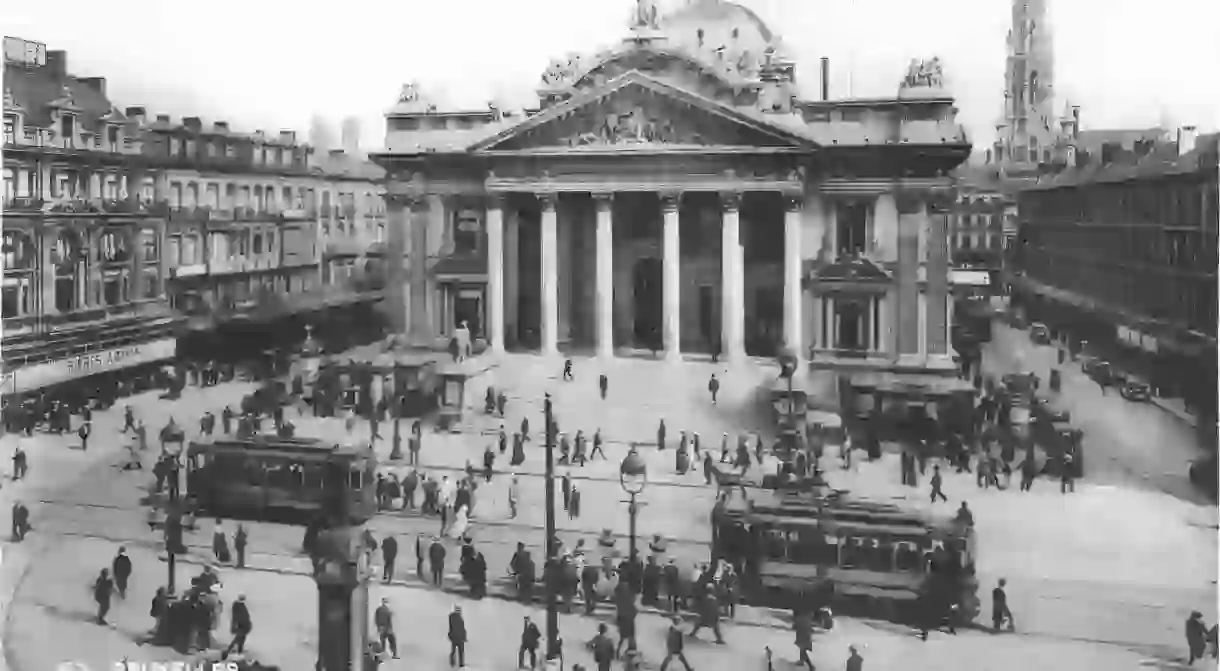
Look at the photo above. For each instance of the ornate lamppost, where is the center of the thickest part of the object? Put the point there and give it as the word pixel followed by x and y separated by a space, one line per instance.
pixel 340 569
pixel 633 476
pixel 552 596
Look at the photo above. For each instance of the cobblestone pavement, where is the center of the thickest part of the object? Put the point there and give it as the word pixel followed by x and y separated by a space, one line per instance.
pixel 57 464
pixel 52 624
pixel 1125 443
pixel 1103 565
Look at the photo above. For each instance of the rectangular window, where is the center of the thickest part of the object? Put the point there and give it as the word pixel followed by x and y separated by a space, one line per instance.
pixel 112 136
pixel 148 242
pixel 114 287
pixel 69 128
pixel 152 283
pixel 16 296
pixel 10 130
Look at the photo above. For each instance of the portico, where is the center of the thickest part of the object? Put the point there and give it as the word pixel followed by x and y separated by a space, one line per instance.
pixel 664 196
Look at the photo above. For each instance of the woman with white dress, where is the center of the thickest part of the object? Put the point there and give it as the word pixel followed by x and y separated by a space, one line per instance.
pixel 461 523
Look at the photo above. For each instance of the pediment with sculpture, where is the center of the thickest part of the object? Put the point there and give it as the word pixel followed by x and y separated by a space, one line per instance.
pixel 633 115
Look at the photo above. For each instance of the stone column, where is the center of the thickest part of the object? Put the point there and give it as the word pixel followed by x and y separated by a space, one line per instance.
pixel 937 269
pixel 885 218
pixel 495 275
pixel 671 287
pixel 512 292
pixel 419 321
pixel 550 275
pixel 732 311
pixel 605 274
pixel 906 307
pixel 792 276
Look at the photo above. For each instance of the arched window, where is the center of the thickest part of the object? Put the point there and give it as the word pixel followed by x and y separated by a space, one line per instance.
pixel 192 195
pixel 258 243
pixel 175 195
pixel 113 247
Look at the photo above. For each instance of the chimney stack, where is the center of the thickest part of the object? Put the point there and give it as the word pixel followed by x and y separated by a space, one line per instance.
pixel 288 137
pixel 136 114
pixel 1187 136
pixel 192 123
pixel 57 62
pixel 220 126
pixel 96 83
pixel 825 78
pixel 163 118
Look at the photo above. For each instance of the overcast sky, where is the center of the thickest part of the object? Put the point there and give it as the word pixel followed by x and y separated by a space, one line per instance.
pixel 274 64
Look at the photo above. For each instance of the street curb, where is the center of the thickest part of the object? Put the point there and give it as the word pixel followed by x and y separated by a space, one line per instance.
pixel 495 589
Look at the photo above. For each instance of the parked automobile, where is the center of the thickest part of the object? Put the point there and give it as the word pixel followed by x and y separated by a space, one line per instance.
pixel 1039 333
pixel 1135 389
pixel 1203 473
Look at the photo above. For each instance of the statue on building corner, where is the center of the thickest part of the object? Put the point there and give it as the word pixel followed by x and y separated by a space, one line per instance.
pixel 646 15
pixel 409 93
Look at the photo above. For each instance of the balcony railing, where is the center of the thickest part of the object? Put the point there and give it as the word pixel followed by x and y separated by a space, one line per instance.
pixel 33 323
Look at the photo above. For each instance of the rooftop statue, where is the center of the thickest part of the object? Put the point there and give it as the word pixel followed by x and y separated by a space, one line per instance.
pixel 924 74
pixel 562 70
pixel 646 15
pixel 409 93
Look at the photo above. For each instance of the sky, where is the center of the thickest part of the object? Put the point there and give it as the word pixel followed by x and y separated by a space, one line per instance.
pixel 275 64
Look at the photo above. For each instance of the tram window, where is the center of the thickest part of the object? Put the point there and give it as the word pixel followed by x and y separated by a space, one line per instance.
pixel 906 557
pixel 825 549
pixel 312 475
pixel 851 552
pixel 774 547
pixel 882 558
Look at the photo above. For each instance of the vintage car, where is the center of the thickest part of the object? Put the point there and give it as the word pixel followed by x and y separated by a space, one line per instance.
pixel 1135 389
pixel 1203 473
pixel 1039 333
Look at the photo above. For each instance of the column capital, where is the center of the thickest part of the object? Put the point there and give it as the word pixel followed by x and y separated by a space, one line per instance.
pixel 730 201
pixel 495 201
pixel 548 201
pixel 793 202
pixel 670 200
pixel 909 201
pixel 603 200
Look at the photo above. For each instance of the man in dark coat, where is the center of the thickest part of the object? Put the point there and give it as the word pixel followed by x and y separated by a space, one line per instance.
pixel 436 560
pixel 103 588
pixel 530 636
pixel 121 567
pixel 240 539
pixel 675 643
pixel 389 554
pixel 383 619
pixel 1196 636
pixel 240 625
pixel 457 638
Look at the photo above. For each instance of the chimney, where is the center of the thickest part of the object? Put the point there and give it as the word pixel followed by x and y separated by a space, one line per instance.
pixel 193 123
pixel 96 83
pixel 136 114
pixel 825 78
pixel 1075 121
pixel 288 136
pixel 163 118
pixel 220 126
pixel 57 63
pixel 1187 136
pixel 1110 152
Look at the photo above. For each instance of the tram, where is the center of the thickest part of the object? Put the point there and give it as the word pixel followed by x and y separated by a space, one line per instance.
pixel 269 477
pixel 866 558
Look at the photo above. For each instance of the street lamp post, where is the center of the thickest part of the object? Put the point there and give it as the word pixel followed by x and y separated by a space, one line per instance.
pixel 633 475
pixel 552 596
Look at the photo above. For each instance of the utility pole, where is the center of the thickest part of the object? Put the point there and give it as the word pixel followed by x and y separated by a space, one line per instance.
pixel 552 596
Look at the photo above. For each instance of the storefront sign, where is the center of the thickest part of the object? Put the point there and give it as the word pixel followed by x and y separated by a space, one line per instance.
pixel 970 278
pixel 28 378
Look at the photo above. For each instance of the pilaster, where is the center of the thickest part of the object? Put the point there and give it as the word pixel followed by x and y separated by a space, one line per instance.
pixel 604 204
pixel 550 271
pixel 733 306
pixel 495 274
pixel 792 276
pixel 907 314
pixel 671 275
pixel 512 278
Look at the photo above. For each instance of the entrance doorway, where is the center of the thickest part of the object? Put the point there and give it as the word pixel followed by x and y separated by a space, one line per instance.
pixel 707 316
pixel 646 285
pixel 468 307
pixel 850 334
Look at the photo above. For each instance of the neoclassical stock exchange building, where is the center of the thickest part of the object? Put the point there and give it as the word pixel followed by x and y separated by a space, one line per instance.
pixel 674 193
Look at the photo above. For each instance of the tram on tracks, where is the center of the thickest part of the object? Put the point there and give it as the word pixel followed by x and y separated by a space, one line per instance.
pixel 863 557
pixel 268 477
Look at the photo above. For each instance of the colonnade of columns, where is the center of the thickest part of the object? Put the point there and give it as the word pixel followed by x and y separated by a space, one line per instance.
pixel 732 275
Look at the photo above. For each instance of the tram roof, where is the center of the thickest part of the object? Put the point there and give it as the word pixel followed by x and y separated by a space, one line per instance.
pixel 377 355
pixel 273 443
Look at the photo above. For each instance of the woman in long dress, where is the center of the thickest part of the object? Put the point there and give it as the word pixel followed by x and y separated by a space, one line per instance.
pixel 461 522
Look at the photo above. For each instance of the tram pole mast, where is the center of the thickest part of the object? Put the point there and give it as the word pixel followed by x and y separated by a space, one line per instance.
pixel 552 597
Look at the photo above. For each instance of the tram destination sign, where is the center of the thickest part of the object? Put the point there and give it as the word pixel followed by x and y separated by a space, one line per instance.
pixel 37 376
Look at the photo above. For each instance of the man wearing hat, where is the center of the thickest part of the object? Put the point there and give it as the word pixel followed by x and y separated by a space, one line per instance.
pixel 457 638
pixel 383 619
pixel 675 642
pixel 239 625
pixel 854 661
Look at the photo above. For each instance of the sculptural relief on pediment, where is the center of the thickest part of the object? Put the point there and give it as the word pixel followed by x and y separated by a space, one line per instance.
pixel 635 115
pixel 673 68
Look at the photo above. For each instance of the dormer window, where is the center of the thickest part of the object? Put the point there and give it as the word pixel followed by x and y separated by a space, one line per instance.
pixel 68 126
pixel 112 137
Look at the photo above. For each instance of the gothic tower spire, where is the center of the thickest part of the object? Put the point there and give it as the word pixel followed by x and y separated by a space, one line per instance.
pixel 1029 129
